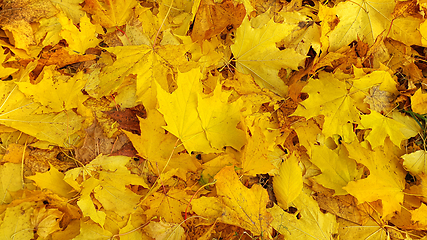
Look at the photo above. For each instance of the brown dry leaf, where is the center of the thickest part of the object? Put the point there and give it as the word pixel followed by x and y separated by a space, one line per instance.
pixel 97 143
pixel 128 118
pixel 212 18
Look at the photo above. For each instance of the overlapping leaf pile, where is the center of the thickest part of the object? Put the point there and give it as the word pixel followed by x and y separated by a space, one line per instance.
pixel 210 119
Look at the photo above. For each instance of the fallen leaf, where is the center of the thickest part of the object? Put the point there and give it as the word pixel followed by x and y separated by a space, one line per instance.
pixel 255 53
pixel 386 180
pixel 415 162
pixel 288 183
pixel 382 127
pixel 54 181
pixel 311 223
pixel 110 13
pixel 212 18
pixel 330 97
pixel 16 221
pixel 10 181
pixel 360 19
pixel 245 207
pixel 46 221
pixel 162 230
pixel 337 168
pixel 79 40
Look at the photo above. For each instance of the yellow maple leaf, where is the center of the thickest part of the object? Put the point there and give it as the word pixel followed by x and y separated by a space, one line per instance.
pixel 107 184
pixel 420 214
pixel 419 102
pixel 311 223
pixel 308 132
pixel 288 184
pixel 71 8
pixel 337 169
pixel 255 53
pixel 91 230
pixel 110 13
pixel 202 124
pixel 86 203
pixel 55 91
pixel 369 230
pixel 79 40
pixel 209 207
pixel 16 221
pixel 10 181
pixel 244 207
pixel 180 112
pixel 330 97
pixel 256 157
pixel 163 230
pixel 54 181
pixel 386 180
pixel 212 167
pixel 151 65
pixel 170 206
pixel 363 19
pixel 46 221
pixel 382 127
pixel 416 162
pixel 156 147
pixel 48 32
pixel 19 112
pixel 219 119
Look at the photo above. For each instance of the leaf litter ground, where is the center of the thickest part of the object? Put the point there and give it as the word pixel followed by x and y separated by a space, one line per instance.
pixel 213 119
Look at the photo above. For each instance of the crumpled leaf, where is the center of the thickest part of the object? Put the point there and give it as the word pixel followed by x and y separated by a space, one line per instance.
pixel 213 17
pixel 255 53
pixel 245 208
